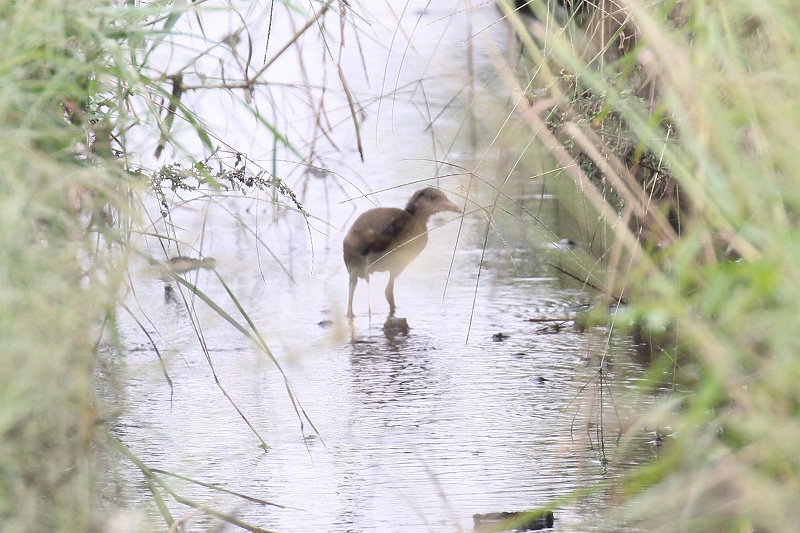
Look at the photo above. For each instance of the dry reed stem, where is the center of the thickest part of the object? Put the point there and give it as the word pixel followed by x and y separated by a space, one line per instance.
pixel 622 180
pixel 310 22
pixel 509 13
pixel 531 115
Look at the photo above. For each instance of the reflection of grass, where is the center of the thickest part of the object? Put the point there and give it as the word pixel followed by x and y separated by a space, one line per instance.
pixel 720 118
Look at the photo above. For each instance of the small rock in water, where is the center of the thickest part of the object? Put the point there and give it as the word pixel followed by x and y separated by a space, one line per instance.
pixel 499 337
pixel 325 323
pixel 518 521
pixel 563 245
pixel 395 324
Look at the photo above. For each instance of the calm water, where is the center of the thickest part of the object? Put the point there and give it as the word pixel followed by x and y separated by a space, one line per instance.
pixel 411 432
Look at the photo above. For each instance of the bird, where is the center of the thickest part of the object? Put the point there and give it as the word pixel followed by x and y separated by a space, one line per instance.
pixel 387 239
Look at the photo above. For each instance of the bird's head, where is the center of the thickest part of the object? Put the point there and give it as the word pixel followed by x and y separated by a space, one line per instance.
pixel 425 202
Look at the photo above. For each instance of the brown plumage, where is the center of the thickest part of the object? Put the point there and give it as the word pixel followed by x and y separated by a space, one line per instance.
pixel 387 239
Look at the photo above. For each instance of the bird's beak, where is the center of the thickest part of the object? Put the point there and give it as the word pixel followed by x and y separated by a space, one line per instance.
pixel 447 205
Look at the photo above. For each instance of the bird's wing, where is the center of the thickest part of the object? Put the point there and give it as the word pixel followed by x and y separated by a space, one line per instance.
pixel 378 232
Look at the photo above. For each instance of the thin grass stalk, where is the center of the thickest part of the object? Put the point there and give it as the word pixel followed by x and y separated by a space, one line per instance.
pixel 217 488
pixel 299 33
pixel 194 290
pixel 622 181
pixel 614 268
pixel 543 68
pixel 155 482
pixel 532 116
pixel 254 335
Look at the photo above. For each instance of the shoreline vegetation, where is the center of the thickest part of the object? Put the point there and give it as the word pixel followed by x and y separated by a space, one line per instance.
pixel 673 119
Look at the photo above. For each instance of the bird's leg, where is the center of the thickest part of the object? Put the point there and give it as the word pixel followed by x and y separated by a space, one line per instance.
pixel 353 283
pixel 369 300
pixel 390 294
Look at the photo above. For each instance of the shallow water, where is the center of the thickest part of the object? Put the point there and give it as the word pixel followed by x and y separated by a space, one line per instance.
pixel 388 432
pixel 414 432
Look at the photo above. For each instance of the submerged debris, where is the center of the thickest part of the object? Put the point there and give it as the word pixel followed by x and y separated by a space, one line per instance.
pixel 181 264
pixel 551 329
pixel 518 521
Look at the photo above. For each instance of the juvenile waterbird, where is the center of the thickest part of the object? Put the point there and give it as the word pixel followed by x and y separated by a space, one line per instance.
pixel 387 239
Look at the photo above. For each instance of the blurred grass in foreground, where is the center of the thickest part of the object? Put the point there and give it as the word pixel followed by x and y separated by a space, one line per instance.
pixel 61 200
pixel 708 90
pixel 76 79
